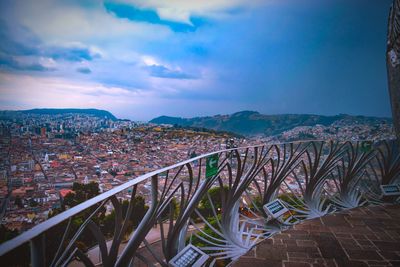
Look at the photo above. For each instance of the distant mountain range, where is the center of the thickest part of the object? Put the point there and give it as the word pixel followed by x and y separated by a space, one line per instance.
pixel 254 123
pixel 59 111
pixel 246 123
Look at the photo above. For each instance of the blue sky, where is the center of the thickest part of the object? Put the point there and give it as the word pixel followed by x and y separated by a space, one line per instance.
pixel 144 58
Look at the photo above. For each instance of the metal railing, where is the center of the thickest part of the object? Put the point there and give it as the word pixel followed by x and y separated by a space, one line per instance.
pixel 224 210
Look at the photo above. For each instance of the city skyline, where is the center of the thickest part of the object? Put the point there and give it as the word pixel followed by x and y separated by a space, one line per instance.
pixel 142 59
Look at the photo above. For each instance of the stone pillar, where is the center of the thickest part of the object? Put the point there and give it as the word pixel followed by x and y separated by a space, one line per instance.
pixel 393 63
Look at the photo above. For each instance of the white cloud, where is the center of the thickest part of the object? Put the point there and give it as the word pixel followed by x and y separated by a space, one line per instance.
pixel 149 61
pixel 182 10
pixel 174 14
pixel 65 22
pixel 24 91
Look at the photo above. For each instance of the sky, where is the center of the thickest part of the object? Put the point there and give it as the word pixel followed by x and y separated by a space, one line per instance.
pixel 140 59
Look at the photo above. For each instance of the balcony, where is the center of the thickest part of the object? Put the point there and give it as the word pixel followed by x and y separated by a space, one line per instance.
pixel 223 202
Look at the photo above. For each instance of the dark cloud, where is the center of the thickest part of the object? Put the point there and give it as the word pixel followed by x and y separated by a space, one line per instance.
pixel 16 42
pixel 9 63
pixel 84 70
pixel 19 42
pixel 75 54
pixel 161 71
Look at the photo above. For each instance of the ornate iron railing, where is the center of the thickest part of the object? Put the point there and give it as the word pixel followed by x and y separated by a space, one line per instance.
pixel 222 213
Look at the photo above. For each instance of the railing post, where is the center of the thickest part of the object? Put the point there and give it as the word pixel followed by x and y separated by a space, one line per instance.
pixel 144 227
pixel 37 245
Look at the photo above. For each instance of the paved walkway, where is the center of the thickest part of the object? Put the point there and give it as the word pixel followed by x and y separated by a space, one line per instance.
pixel 366 236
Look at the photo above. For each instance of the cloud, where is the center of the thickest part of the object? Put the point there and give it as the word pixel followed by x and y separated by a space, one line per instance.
pixel 84 70
pixel 74 53
pixel 17 40
pixel 158 69
pixel 59 22
pixel 49 91
pixel 20 91
pixel 10 63
pixel 183 11
pixel 22 50
pixel 150 16
pixel 161 71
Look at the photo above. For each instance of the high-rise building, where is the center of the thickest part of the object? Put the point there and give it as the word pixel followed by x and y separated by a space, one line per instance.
pixel 393 63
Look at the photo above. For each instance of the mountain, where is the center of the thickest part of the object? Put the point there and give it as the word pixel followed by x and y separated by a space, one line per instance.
pixel 254 123
pixel 59 111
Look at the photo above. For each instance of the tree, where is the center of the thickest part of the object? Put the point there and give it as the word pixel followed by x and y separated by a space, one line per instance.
pixel 216 195
pixel 33 203
pixel 81 193
pixel 165 215
pixel 208 231
pixel 139 210
pixel 17 257
pixel 18 202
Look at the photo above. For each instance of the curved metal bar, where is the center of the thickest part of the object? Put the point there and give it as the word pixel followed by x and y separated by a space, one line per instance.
pixel 340 172
pixel 46 225
pixel 59 250
pixel 100 240
pixel 143 228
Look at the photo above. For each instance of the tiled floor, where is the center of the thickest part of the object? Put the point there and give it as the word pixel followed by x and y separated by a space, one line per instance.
pixel 366 236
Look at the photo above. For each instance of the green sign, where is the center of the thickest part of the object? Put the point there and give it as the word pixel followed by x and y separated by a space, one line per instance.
pixel 212 165
pixel 366 146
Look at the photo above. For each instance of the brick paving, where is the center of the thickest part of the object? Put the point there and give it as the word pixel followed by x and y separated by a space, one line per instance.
pixel 365 236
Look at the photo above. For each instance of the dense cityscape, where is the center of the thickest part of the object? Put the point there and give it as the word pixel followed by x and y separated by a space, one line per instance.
pixel 42 156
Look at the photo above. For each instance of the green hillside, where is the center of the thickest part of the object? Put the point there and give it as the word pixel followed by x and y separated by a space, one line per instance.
pixel 254 123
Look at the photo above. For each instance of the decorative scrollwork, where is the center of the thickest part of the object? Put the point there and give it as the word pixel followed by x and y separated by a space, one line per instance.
pixel 223 213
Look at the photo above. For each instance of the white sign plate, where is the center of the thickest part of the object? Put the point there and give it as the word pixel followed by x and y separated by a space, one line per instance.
pixel 189 256
pixel 275 208
pixel 390 189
